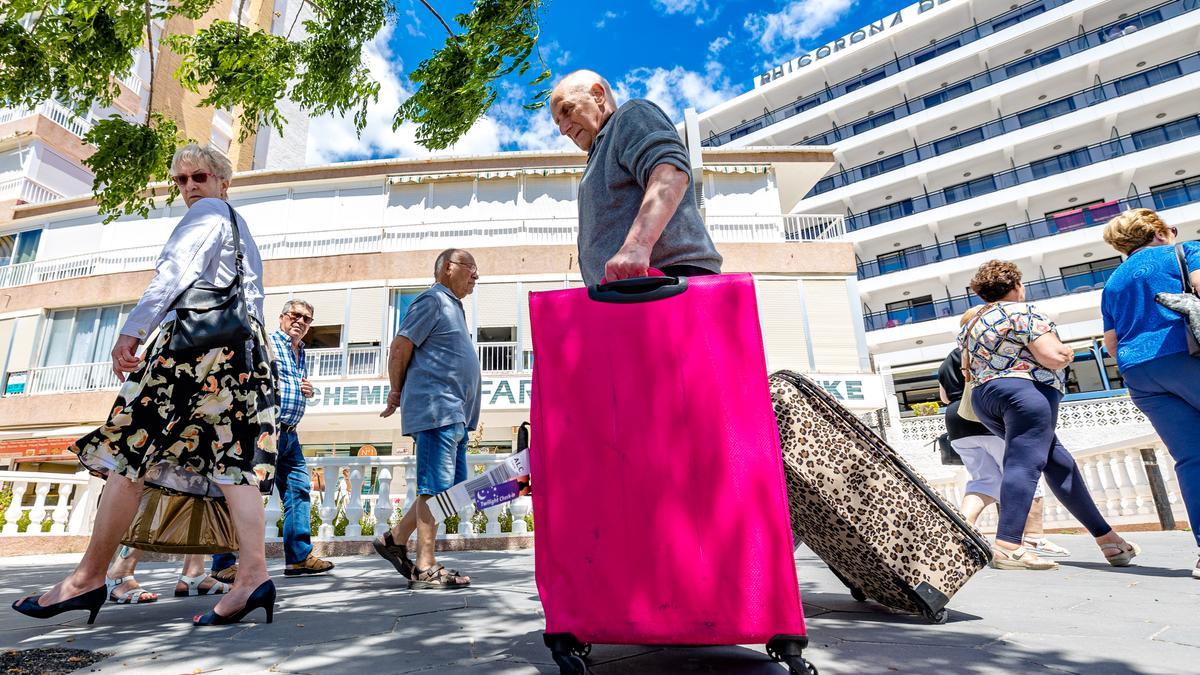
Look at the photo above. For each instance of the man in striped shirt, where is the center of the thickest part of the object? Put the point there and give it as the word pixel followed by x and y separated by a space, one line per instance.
pixel 291 473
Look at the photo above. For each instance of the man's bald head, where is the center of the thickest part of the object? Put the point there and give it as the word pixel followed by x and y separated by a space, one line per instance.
pixel 581 104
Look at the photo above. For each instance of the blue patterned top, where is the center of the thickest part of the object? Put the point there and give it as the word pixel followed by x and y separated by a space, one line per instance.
pixel 291 370
pixel 999 344
pixel 1145 329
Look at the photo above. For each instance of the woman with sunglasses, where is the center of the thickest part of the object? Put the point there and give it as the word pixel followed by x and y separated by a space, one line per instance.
pixel 1150 342
pixel 199 424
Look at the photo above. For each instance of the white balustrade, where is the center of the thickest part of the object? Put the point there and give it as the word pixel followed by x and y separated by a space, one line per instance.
pixel 27 190
pixel 336 362
pixel 497 357
pixel 71 378
pixel 52 110
pixel 1117 411
pixel 770 228
pixel 72 498
pixel 274 509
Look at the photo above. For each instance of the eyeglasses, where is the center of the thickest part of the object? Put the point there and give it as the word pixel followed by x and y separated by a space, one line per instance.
pixel 199 178
pixel 473 268
pixel 297 316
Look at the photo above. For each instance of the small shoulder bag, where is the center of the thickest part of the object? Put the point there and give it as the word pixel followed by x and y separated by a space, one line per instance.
pixel 1186 303
pixel 207 315
pixel 966 409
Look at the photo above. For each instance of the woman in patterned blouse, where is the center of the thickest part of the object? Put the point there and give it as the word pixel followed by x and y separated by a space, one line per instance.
pixel 1018 364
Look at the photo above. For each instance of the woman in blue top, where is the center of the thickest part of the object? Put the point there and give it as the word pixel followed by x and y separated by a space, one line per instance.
pixel 1150 341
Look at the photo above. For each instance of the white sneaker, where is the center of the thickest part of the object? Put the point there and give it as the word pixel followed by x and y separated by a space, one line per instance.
pixel 1044 548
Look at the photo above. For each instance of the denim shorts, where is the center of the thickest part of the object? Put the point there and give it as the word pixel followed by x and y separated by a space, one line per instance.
pixel 441 458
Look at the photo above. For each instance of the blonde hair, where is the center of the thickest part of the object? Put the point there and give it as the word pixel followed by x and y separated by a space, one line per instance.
pixel 1134 229
pixel 968 315
pixel 206 156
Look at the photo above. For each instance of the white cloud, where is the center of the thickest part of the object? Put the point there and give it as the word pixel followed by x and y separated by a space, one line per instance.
pixel 332 139
pixel 677 88
pixel 797 21
pixel 608 16
pixel 553 52
pixel 680 6
pixel 414 23
pixel 715 47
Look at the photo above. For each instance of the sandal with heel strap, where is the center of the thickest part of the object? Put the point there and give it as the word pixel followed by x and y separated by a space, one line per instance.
pixel 130 596
pixel 1019 559
pixel 1126 551
pixel 193 586
pixel 436 577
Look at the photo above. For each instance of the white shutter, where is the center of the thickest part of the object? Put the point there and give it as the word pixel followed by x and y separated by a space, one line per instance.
pixel 779 310
pixel 329 307
pixel 831 319
pixel 24 332
pixel 367 309
pixel 6 333
pixel 496 305
pixel 533 287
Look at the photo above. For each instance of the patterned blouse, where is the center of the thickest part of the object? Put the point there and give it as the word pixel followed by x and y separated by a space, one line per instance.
pixel 999 344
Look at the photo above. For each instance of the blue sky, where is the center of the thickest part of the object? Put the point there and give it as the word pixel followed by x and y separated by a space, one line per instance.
pixel 678 53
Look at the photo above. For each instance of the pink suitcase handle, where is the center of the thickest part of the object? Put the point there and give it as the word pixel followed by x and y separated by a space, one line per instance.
pixel 655 286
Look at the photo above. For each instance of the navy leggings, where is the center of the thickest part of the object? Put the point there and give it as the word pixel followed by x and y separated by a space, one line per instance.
pixel 1024 413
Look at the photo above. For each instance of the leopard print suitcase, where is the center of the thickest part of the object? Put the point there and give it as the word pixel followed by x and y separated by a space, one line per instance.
pixel 860 507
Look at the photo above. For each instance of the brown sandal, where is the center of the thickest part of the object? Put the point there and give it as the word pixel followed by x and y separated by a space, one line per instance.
pixel 396 554
pixel 438 578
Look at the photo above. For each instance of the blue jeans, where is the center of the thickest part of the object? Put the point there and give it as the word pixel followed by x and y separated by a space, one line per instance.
pixel 441 458
pixel 291 479
pixel 1024 413
pixel 1167 390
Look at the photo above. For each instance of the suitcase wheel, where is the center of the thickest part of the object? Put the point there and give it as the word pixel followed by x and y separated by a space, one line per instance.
pixel 939 617
pixel 858 595
pixel 568 652
pixel 802 668
pixel 788 648
pixel 569 664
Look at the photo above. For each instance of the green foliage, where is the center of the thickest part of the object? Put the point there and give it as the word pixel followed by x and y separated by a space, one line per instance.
pixel 128 157
pixel 459 83
pixel 6 497
pixel 334 78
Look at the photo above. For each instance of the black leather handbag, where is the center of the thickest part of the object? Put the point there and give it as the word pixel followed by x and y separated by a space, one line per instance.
pixel 949 456
pixel 207 315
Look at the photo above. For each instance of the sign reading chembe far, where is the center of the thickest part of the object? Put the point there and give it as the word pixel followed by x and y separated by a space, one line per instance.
pixel 499 393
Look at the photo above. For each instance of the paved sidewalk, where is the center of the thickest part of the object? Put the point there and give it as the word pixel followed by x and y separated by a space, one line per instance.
pixel 1084 618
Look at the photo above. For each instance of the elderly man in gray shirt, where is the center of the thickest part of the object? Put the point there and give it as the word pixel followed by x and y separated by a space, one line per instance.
pixel 635 211
pixel 436 384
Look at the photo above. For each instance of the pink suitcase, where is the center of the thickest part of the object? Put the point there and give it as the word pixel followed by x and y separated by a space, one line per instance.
pixel 661 512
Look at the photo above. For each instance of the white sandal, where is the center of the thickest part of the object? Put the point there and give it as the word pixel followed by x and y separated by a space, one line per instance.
pixel 132 596
pixel 1003 559
pixel 193 586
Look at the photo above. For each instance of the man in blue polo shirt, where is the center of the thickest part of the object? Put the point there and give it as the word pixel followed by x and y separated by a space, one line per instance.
pixel 436 383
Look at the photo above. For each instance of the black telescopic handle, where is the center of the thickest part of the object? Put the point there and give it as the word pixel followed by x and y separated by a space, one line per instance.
pixel 638 289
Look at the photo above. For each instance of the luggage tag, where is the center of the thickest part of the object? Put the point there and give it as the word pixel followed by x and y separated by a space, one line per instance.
pixel 501 484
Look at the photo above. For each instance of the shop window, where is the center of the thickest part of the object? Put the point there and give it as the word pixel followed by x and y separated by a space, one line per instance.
pixel 916 388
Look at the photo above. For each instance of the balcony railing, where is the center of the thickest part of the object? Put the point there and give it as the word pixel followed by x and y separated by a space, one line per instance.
pixel 497 357
pixel 72 378
pixel 52 110
pixel 353 362
pixel 26 190
pixel 1067 161
pixel 1176 195
pixel 991 76
pixel 916 57
pixel 529 232
pixel 1041 289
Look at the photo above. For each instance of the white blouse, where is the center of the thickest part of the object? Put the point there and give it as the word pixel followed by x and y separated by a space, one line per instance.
pixel 200 247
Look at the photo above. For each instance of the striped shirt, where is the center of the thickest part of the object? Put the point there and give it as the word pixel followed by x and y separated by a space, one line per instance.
pixel 291 371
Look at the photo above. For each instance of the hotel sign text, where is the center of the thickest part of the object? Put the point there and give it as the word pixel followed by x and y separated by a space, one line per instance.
pixel 499 393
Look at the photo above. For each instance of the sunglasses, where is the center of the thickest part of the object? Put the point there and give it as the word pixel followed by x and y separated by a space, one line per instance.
pixel 297 316
pixel 473 268
pixel 199 178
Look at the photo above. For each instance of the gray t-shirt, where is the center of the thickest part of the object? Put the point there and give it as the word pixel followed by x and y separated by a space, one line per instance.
pixel 443 383
pixel 636 138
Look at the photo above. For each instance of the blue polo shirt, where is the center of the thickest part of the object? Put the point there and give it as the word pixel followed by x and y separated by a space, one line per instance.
pixel 1145 329
pixel 443 383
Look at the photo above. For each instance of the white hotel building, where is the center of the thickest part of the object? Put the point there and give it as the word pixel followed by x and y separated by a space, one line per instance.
pixel 968 130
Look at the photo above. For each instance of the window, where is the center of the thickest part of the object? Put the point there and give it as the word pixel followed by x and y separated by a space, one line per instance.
pixel 497 347
pixel 883 214
pixel 1140 81
pixel 1017 17
pixel 983 240
pixel 897 260
pixel 745 131
pixel 1035 61
pixel 401 299
pixel 19 247
pixel 937 50
pixel 865 80
pixel 1165 133
pixel 1088 276
pixel 1066 220
pixel 910 310
pixel 971 188
pixel 916 388
pixel 78 336
pixel 823 185
pixel 957 141
pixel 1176 193
pixel 882 166
pixel 960 89
pixel 810 103
pixel 1045 112
pixel 876 121
pixel 1059 163
pixel 1083 375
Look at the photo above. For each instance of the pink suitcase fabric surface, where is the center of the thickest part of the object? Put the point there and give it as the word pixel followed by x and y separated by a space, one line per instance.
pixel 661 512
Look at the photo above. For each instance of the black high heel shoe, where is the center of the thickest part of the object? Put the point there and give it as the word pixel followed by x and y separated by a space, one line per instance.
pixel 263 596
pixel 91 601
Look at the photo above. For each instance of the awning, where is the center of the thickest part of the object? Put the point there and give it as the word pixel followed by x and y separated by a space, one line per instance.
pixel 483 175
pixel 738 168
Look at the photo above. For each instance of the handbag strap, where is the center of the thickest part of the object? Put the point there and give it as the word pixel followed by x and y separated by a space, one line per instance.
pixel 966 351
pixel 237 242
pixel 1183 269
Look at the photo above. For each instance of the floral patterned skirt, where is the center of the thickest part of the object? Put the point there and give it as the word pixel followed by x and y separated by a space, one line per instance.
pixel 189 423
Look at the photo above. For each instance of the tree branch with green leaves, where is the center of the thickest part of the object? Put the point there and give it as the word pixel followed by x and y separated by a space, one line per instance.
pixel 75 51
